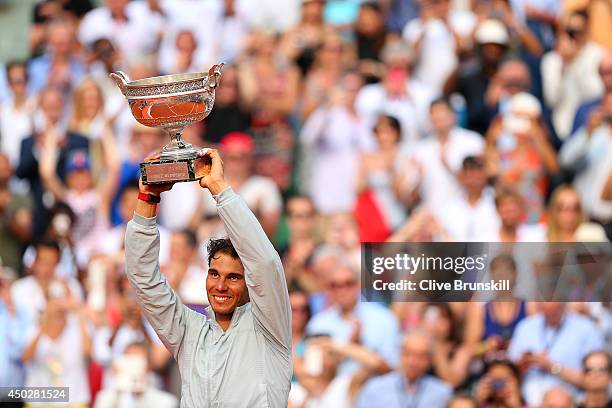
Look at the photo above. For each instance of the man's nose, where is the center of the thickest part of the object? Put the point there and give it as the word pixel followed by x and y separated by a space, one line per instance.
pixel 221 285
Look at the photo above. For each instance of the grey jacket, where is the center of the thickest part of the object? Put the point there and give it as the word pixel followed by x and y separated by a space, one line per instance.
pixel 250 364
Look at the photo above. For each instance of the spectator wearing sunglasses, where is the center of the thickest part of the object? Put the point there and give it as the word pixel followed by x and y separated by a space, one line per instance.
pixel 351 321
pixel 597 374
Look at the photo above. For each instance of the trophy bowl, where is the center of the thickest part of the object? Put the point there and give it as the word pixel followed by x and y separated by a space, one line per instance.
pixel 172 102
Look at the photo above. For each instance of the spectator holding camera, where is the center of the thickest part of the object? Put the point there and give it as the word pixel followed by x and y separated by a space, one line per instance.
pixel 499 387
pixel 438 35
pixel 549 347
pixel 570 72
pixel 333 137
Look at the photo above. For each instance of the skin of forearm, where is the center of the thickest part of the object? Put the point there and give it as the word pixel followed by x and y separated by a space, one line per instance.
pixel 144 209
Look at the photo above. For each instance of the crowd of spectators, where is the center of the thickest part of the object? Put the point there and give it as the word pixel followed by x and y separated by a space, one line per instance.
pixel 339 122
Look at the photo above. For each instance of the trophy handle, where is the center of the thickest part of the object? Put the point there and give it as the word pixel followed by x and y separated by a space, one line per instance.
pixel 121 79
pixel 214 73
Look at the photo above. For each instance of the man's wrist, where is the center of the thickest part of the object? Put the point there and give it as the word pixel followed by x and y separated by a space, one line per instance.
pixel 555 369
pixel 217 187
pixel 147 204
pixel 149 197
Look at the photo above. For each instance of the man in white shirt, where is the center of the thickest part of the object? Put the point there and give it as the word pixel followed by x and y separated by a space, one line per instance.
pixel 438 158
pixel 470 216
pixel 131 25
pixel 570 72
pixel 272 15
pixel 589 154
pixel 398 94
pixel 16 112
pixel 31 292
pixel 552 344
pixel 333 138
pixel 435 35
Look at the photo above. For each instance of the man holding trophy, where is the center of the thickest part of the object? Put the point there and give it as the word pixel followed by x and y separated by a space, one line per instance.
pixel 241 355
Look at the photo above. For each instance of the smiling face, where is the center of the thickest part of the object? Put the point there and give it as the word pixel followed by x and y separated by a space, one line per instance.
pixel 225 286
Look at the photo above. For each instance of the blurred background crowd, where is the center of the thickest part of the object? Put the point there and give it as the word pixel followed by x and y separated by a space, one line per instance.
pixel 339 122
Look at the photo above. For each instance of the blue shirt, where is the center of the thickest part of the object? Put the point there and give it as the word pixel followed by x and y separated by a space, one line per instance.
pixel 379 331
pixel 391 391
pixel 582 114
pixel 13 331
pixel 40 67
pixel 566 345
pixel 5 92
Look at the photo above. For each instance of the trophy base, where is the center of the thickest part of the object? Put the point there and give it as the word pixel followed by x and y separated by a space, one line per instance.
pixel 168 171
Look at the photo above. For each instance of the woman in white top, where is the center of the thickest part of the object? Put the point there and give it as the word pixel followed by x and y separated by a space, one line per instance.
pixel 57 350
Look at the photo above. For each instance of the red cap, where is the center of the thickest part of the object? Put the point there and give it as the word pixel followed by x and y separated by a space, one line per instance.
pixel 237 141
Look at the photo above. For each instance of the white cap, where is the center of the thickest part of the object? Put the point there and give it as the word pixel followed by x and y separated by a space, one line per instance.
pixel 525 103
pixel 492 31
pixel 395 50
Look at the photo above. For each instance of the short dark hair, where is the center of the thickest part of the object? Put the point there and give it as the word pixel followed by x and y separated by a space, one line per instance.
pixel 190 236
pixel 393 122
pixel 47 242
pixel 473 162
pixel 372 5
pixel 442 100
pixel 221 245
pixel 16 64
pixel 295 287
pixel 504 363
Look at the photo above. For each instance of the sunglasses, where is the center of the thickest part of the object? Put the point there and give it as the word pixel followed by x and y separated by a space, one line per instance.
pixel 302 215
pixel 342 285
pixel 573 207
pixel 601 369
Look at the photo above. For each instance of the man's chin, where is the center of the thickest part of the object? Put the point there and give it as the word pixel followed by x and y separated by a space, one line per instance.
pixel 225 310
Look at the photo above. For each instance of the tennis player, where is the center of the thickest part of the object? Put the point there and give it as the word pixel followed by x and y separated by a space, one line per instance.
pixel 241 355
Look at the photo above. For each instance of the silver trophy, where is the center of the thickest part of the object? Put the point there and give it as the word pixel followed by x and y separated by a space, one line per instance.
pixel 172 102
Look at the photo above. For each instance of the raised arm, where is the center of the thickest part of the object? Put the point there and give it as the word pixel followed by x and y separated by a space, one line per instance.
pixel 162 307
pixel 263 268
pixel 48 164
